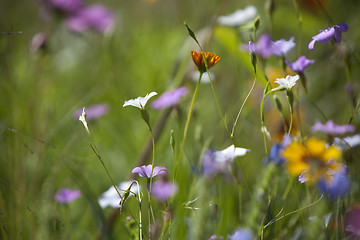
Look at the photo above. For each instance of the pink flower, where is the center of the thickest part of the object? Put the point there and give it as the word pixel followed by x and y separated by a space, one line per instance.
pixel 66 195
pixel 145 171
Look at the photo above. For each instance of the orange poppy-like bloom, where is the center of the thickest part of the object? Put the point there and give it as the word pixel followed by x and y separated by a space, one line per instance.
pixel 211 59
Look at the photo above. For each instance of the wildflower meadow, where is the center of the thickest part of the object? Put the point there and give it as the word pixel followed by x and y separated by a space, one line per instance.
pixel 180 119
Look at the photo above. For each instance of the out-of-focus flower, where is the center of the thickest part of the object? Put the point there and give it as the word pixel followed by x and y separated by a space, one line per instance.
pixel 277 148
pixel 215 237
pixel 95 17
pixel 300 64
pixel 242 234
pixel 239 17
pixel 111 197
pixel 93 112
pixel 331 128
pixel 145 171
pixel 328 34
pixel 204 77
pixel 287 83
pixel 264 46
pixel 337 185
pixel 38 42
pixel 169 99
pixel 66 6
pixel 219 161
pixel 282 47
pixel 352 223
pixel 314 159
pixel 66 195
pixel 350 141
pixel 211 60
pixel 162 190
pixel 139 102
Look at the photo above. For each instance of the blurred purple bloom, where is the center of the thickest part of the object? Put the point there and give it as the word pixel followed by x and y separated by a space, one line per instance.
pixel 275 155
pixel 38 41
pixel 331 128
pixel 66 195
pixel 66 6
pixel 336 187
pixel 242 234
pixel 162 190
pixel 328 34
pixel 145 171
pixel 96 17
pixel 282 47
pixel 215 237
pixel 264 46
pixel 169 99
pixel 300 64
pixel 93 112
pixel 352 223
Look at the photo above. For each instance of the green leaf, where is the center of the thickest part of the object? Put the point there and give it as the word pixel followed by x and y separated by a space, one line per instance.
pixel 191 33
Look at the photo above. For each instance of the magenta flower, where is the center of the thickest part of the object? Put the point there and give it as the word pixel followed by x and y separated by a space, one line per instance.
pixel 93 112
pixel 162 190
pixel 169 99
pixel 331 128
pixel 65 6
pixel 145 171
pixel 66 195
pixel 95 17
pixel 300 64
pixel 328 34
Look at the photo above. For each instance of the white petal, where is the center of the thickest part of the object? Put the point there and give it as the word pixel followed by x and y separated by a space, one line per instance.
pixel 111 197
pixel 139 102
pixel 239 17
pixel 230 153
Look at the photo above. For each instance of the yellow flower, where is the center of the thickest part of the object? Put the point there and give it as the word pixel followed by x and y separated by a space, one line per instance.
pixel 313 158
pixel 211 59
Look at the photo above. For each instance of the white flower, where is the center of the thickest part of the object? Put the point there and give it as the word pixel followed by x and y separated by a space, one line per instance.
pixel 204 78
pixel 288 82
pixel 239 17
pixel 82 118
pixel 350 141
pixel 139 102
pixel 111 197
pixel 228 154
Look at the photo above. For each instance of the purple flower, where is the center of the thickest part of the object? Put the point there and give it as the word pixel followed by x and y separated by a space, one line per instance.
pixel 328 34
pixel 275 155
pixel 242 234
pixel 282 47
pixel 162 190
pixel 215 237
pixel 352 223
pixel 264 46
pixel 66 6
pixel 300 64
pixel 338 186
pixel 331 128
pixel 169 99
pixel 96 17
pixel 145 171
pixel 66 195
pixel 93 112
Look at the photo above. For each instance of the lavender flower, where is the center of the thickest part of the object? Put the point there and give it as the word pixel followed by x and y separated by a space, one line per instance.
pixel 242 234
pixel 93 112
pixel 282 47
pixel 96 17
pixel 352 223
pixel 139 102
pixel 111 197
pixel 215 237
pixel 66 195
pixel 300 64
pixel 66 6
pixel 145 171
pixel 169 99
pixel 331 128
pixel 239 17
pixel 162 190
pixel 336 187
pixel 328 34
pixel 264 46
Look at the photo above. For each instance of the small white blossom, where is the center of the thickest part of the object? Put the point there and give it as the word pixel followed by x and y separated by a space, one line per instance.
pixel 82 118
pixel 288 82
pixel 111 197
pixel 228 154
pixel 139 102
pixel 239 17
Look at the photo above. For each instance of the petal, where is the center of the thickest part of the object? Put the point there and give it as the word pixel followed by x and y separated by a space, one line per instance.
pixel 343 27
pixel 311 45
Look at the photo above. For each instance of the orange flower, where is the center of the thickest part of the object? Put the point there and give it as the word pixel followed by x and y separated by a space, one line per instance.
pixel 211 59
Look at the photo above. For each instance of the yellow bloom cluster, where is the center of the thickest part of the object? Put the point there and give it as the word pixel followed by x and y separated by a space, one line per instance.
pixel 313 158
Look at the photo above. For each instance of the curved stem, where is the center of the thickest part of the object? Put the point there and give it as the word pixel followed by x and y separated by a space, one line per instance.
pixel 262 115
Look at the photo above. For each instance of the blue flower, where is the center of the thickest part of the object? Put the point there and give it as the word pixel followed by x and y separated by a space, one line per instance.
pixel 242 234
pixel 338 186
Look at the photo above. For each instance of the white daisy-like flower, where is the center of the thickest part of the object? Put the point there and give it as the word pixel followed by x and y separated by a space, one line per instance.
pixel 111 197
pixel 228 154
pixel 139 102
pixel 288 82
pixel 239 17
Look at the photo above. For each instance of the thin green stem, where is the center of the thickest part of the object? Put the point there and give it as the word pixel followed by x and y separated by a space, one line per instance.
pixel 151 214
pixel 262 115
pixel 291 117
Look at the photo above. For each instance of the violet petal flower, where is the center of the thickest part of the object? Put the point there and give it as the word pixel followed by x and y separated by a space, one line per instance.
pixel 162 190
pixel 111 197
pixel 95 17
pixel 328 34
pixel 331 128
pixel 169 99
pixel 93 112
pixel 242 234
pixel 282 47
pixel 300 64
pixel 352 223
pixel 66 195
pixel 66 6
pixel 264 46
pixel 145 171
pixel 337 187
